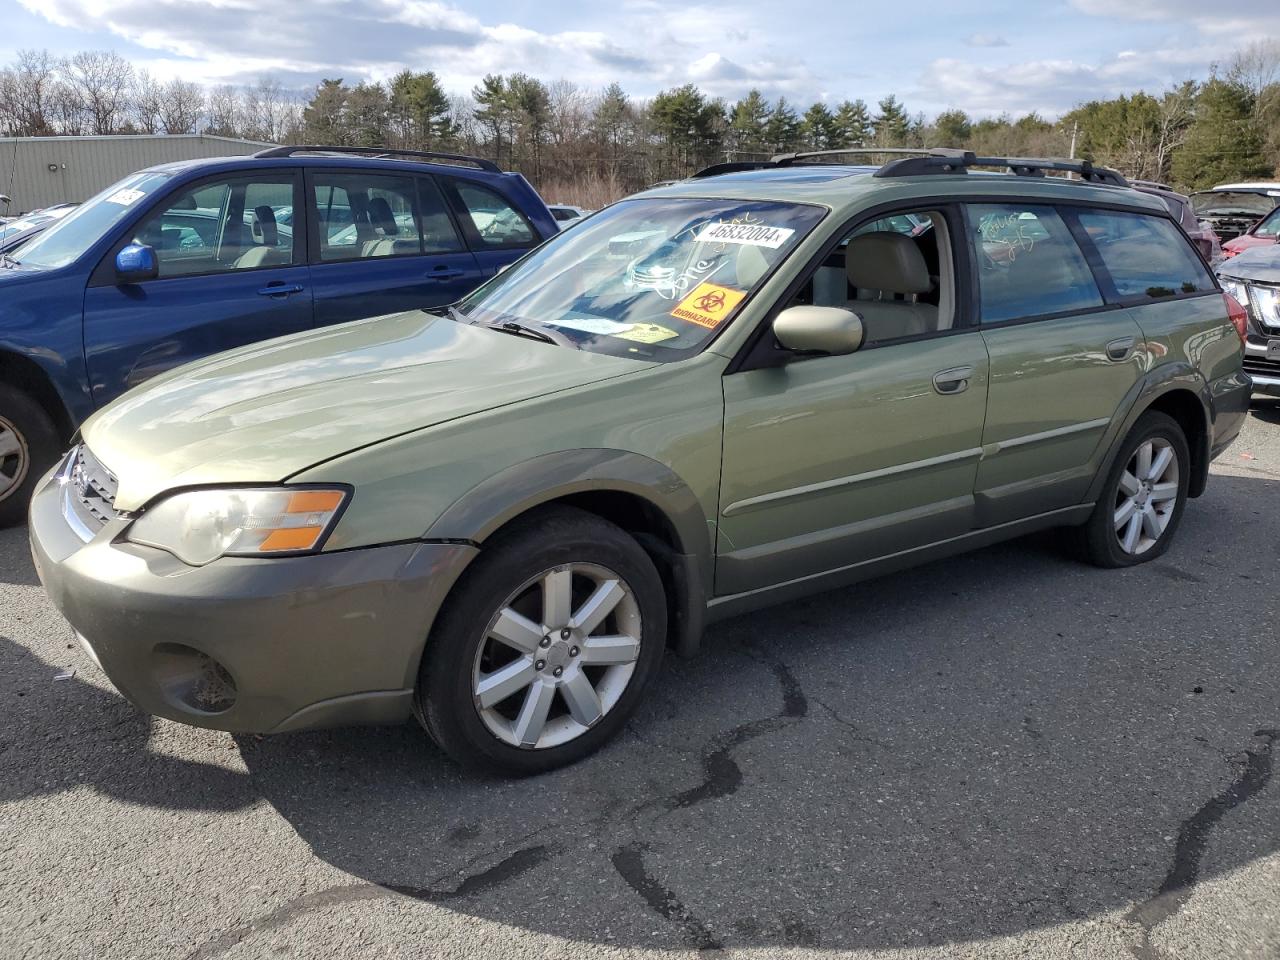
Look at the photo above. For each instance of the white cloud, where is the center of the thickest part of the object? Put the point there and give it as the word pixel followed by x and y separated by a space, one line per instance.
pixel 1243 20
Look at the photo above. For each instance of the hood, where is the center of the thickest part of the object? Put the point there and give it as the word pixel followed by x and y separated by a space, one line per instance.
pixel 1259 264
pixel 263 413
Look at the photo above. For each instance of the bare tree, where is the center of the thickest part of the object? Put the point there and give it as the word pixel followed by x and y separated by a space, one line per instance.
pixel 1256 66
pixel 223 112
pixel 181 106
pixel 102 80
pixel 148 102
pixel 26 90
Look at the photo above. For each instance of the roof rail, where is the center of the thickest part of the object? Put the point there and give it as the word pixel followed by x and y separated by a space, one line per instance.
pixel 942 161
pixel 380 153
pixel 732 166
pixel 1152 185
pixel 787 159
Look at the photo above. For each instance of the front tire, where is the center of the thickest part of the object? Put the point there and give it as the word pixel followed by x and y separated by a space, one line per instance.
pixel 28 446
pixel 545 646
pixel 1143 498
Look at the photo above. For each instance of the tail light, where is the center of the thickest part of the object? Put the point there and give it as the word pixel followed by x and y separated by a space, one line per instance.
pixel 1238 316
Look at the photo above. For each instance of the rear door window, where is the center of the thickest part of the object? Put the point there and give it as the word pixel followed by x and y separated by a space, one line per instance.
pixel 1029 264
pixel 1146 256
pixel 363 216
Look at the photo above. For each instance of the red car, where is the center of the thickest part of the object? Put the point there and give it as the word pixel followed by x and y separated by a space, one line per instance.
pixel 1265 231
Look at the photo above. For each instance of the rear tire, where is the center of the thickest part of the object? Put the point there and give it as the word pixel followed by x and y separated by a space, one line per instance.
pixel 1142 501
pixel 519 677
pixel 29 445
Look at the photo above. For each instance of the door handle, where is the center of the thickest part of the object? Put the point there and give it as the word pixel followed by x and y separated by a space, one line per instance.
pixel 953 380
pixel 279 289
pixel 1120 350
pixel 445 273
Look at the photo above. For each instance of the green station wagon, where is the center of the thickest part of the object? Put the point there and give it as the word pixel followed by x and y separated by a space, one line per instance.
pixel 766 381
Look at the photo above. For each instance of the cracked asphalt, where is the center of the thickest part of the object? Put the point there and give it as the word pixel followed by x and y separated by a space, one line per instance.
pixel 1007 754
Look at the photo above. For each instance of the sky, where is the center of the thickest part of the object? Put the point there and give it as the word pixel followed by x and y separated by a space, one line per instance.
pixel 985 58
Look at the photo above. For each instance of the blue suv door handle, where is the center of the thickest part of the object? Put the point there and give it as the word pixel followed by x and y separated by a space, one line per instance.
pixel 279 289
pixel 445 273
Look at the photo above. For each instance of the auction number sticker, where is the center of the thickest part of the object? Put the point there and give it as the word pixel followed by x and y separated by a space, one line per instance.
pixel 754 234
pixel 708 304
pixel 125 197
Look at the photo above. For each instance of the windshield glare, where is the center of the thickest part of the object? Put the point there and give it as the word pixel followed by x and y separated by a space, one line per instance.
pixel 650 278
pixel 66 240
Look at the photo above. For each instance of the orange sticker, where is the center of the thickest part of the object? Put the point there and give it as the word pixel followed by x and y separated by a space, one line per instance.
pixel 707 305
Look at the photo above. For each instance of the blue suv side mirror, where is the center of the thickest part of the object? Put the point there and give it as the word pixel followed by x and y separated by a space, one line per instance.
pixel 135 263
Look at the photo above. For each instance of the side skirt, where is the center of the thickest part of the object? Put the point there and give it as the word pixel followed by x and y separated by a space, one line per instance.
pixel 734 604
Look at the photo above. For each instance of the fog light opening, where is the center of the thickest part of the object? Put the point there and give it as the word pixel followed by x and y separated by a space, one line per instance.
pixel 193 680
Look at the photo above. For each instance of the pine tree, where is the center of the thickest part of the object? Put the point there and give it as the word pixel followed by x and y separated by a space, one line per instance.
pixel 419 110
pixel 952 128
pixel 493 110
pixel 1224 142
pixel 818 128
pixel 323 118
pixel 782 131
pixel 852 124
pixel 892 125
pixel 747 123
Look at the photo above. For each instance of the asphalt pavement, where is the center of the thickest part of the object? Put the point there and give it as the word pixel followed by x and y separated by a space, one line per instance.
pixel 1007 754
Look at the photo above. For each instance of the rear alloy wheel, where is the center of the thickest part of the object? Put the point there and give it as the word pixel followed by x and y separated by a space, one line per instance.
pixel 29 445
pixel 1146 496
pixel 1142 500
pixel 545 645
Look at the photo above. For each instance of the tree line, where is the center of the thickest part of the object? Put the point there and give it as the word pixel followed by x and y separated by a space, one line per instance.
pixel 579 145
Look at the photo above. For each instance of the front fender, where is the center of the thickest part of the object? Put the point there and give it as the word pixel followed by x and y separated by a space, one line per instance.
pixel 491 504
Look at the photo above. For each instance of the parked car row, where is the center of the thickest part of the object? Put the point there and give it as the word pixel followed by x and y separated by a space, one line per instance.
pixel 495 510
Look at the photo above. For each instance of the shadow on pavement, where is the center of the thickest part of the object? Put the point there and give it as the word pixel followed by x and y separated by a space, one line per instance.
pixel 982 746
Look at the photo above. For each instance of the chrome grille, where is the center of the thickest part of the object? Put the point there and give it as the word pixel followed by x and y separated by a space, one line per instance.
pixel 88 492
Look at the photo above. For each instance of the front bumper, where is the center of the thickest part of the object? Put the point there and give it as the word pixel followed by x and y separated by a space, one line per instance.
pixel 1265 373
pixel 245 644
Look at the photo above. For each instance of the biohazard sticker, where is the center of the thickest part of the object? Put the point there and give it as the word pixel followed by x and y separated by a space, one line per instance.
pixel 755 234
pixel 647 333
pixel 707 305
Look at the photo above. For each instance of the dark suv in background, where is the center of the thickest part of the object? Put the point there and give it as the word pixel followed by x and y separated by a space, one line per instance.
pixel 187 259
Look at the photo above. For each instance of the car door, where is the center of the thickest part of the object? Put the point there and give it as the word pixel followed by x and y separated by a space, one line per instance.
pixel 382 243
pixel 831 461
pixel 497 232
pixel 1062 360
pixel 229 275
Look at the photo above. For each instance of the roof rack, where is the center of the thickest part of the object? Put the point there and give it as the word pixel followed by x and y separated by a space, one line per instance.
pixel 732 166
pixel 380 153
pixel 945 161
pixel 1152 185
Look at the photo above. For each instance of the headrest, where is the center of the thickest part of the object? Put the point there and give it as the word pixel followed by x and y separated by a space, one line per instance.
pixel 266 218
pixel 887 261
pixel 382 218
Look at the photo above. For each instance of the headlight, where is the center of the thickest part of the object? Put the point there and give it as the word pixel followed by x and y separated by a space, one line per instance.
pixel 200 526
pixel 1266 305
pixel 1237 289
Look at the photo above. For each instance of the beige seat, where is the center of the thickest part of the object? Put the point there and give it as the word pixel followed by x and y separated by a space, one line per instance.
pixel 385 228
pixel 885 264
pixel 268 253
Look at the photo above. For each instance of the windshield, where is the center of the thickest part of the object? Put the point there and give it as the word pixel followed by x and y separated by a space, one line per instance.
pixel 66 240
pixel 647 278
pixel 1230 201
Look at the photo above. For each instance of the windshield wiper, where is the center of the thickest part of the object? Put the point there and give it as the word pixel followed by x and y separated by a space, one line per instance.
pixel 533 333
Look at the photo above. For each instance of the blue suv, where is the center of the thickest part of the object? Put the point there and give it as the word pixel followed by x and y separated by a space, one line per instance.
pixel 187 259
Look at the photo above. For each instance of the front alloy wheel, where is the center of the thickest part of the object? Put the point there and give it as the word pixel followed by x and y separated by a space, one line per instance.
pixel 1146 496
pixel 545 645
pixel 15 460
pixel 557 656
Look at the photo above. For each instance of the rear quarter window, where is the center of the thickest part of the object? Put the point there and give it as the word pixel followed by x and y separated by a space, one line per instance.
pixel 1146 256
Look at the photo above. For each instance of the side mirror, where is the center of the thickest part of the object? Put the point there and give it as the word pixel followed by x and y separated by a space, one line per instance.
pixel 135 263
pixel 830 330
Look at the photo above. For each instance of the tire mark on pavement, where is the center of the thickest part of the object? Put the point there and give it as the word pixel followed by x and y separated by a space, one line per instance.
pixel 1193 837
pixel 629 862
pixel 519 862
